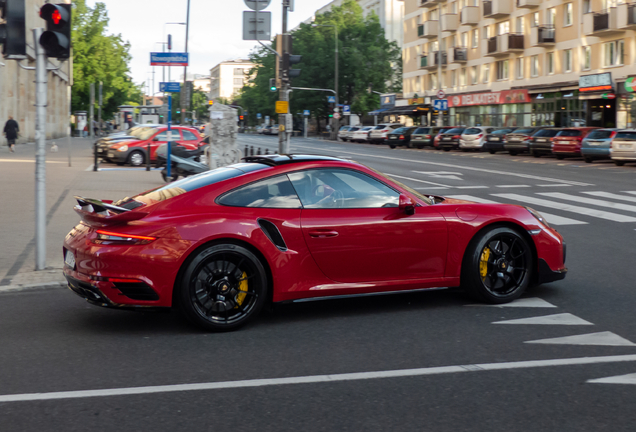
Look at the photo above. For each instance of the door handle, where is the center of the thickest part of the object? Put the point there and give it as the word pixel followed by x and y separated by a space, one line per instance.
pixel 323 234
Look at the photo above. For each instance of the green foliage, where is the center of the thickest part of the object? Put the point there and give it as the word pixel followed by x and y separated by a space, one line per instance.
pixel 97 57
pixel 199 104
pixel 367 62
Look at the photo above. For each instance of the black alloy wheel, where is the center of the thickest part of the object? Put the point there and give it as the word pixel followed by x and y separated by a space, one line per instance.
pixel 497 267
pixel 223 287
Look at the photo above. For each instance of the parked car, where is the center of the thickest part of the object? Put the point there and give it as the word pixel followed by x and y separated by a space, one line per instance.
pixel 259 129
pixel 223 244
pixel 134 152
pixel 400 137
pixel 596 145
pixel 342 132
pixel 422 137
pixel 361 135
pixel 541 141
pixel 623 147
pixel 473 138
pixel 349 134
pixel 496 139
pixel 437 133
pixel 568 141
pixel 378 134
pixel 449 139
pixel 517 141
pixel 102 144
pixel 271 130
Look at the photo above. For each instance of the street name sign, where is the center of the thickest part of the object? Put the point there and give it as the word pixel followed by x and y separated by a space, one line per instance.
pixel 169 87
pixel 168 59
pixel 282 107
pixel 440 104
pixel 257 5
pixel 257 25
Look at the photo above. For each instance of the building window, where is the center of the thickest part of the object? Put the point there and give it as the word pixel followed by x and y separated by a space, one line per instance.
pixel 567 60
pixel 587 58
pixel 587 6
pixel 535 19
pixel 465 39
pixel 613 53
pixel 486 73
pixel 418 86
pixel 503 27
pixel 474 79
pixel 486 32
pixel 432 82
pixel 502 70
pixel 239 71
pixel 551 18
pixel 462 77
pixel 475 40
pixel 550 63
pixel 567 15
pixel 534 66
pixel 519 68
pixel 238 81
pixel 520 27
pixel 453 82
pixel 444 80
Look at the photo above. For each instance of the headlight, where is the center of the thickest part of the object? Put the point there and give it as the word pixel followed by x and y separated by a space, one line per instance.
pixel 122 148
pixel 538 216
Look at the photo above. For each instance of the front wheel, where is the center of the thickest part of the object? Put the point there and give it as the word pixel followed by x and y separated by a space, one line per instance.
pixel 392 146
pixel 136 158
pixel 497 267
pixel 223 287
pixel 619 163
pixel 560 157
pixel 491 151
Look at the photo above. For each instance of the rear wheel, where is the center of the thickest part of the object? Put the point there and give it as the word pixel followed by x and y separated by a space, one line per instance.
pixel 560 157
pixel 491 151
pixel 619 163
pixel 588 159
pixel 446 149
pixel 497 267
pixel 392 146
pixel 513 153
pixel 223 288
pixel 536 154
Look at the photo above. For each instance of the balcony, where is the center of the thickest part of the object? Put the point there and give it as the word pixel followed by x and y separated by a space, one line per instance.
pixel 503 45
pixel 528 3
pixel 542 36
pixel 459 55
pixel 429 3
pixel 626 15
pixel 469 15
pixel 428 30
pixel 497 8
pixel 600 23
pixel 428 61
pixel 450 22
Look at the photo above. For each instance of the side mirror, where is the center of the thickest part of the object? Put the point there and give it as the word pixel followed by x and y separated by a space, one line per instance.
pixel 406 205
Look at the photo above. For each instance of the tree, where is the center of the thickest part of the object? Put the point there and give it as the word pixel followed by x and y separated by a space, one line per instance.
pixel 99 57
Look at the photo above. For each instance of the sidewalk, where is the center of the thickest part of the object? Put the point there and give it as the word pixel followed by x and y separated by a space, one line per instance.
pixel 63 182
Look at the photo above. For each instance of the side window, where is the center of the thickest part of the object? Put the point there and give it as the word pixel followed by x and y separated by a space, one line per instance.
pixel 274 192
pixel 188 136
pixel 163 136
pixel 341 188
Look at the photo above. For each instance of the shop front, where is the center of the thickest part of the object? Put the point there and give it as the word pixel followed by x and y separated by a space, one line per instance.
pixel 498 109
pixel 597 91
pixel 626 104
pixel 558 109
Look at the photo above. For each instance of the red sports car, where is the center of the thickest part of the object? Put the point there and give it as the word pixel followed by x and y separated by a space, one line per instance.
pixel 282 228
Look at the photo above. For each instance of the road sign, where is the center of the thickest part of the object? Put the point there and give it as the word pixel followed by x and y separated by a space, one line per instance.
pixel 257 25
pixel 169 87
pixel 336 109
pixel 336 115
pixel 306 112
pixel 331 99
pixel 346 109
pixel 441 105
pixel 258 115
pixel 168 59
pixel 282 107
pixel 257 5
pixel 267 119
pixel 441 94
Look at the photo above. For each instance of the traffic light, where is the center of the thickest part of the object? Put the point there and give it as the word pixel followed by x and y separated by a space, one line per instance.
pixel 272 84
pixel 210 102
pixel 178 111
pixel 241 117
pixel 56 40
pixel 330 111
pixel 13 32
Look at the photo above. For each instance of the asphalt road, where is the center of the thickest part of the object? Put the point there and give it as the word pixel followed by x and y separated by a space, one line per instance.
pixel 429 361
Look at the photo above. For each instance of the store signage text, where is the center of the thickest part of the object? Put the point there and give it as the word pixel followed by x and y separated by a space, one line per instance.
pixel 630 84
pixel 490 98
pixel 597 82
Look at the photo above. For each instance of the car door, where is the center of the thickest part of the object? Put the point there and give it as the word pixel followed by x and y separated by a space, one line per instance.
pixel 356 232
pixel 189 139
pixel 159 139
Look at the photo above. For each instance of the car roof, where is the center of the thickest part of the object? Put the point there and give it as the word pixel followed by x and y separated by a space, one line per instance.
pixel 284 159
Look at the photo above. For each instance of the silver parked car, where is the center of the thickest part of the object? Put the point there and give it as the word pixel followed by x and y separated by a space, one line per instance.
pixel 342 132
pixel 474 137
pixel 379 133
pixel 623 147
pixel 361 135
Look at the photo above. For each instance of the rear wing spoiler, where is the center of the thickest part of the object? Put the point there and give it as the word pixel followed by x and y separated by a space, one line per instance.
pixel 99 213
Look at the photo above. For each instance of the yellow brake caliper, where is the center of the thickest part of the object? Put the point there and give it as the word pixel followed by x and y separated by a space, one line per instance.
pixel 242 290
pixel 483 263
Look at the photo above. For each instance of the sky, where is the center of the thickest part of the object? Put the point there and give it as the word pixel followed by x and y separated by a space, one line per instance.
pixel 215 31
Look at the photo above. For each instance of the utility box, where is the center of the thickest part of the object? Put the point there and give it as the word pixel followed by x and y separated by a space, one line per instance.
pixel 223 149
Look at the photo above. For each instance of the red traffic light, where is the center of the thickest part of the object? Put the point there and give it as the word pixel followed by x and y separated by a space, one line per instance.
pixel 56 17
pixel 240 117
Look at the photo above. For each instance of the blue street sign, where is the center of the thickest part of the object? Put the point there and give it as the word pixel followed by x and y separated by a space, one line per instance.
pixel 169 87
pixel 306 112
pixel 346 109
pixel 258 115
pixel 440 104
pixel 331 99
pixel 168 59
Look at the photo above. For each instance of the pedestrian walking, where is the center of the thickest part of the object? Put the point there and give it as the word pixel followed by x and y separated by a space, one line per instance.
pixel 11 131
pixel 95 128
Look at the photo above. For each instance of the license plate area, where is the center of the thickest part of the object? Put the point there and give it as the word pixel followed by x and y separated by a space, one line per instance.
pixel 69 259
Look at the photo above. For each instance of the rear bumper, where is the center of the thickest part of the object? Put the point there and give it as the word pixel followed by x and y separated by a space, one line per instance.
pixel 595 152
pixel 490 145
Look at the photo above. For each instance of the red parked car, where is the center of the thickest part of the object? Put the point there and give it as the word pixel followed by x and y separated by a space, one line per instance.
pixel 281 228
pixel 133 152
pixel 568 141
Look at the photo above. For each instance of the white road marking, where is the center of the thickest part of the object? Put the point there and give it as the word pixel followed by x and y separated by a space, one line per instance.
pixel 592 201
pixel 417 180
pixel 31 161
pixel 513 186
pixel 533 302
pixel 490 171
pixel 601 338
pixel 612 196
pixel 472 198
pixel 312 379
pixel 442 174
pixel 615 217
pixel 471 187
pixel 554 185
pixel 619 379
pixel 557 319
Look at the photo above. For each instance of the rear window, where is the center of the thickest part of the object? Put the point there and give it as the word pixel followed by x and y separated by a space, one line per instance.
pixel 421 130
pixel 344 128
pixel 524 131
pixel 353 129
pixel 546 133
pixel 501 131
pixel 455 130
pixel 472 131
pixel 627 136
pixel 401 130
pixel 570 133
pixel 600 134
pixel 378 127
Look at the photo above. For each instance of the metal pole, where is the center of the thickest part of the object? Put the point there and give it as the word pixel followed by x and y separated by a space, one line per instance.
pixel 99 108
pixel 440 115
pixel 91 110
pixel 305 128
pixel 334 132
pixel 40 151
pixel 168 159
pixel 70 130
pixel 185 69
pixel 283 94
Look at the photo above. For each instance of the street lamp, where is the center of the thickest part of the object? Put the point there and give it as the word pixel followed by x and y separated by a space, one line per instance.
pixel 334 121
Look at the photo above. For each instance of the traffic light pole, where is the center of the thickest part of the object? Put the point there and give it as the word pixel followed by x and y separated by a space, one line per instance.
pixel 40 151
pixel 283 95
pixel 185 69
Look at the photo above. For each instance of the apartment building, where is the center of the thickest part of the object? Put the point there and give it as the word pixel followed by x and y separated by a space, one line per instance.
pixel 227 78
pixel 523 62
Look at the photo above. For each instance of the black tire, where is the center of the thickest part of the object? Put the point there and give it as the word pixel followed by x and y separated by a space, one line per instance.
pixel 497 267
pixel 409 145
pixel 588 159
pixel 392 146
pixel 136 158
pixel 513 153
pixel 210 290
pixel 536 154
pixel 560 157
pixel 491 151
pixel 619 163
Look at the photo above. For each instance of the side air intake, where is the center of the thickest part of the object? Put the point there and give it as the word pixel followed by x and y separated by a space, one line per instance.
pixel 272 233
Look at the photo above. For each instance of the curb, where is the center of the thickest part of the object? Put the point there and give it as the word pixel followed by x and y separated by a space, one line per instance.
pixel 32 287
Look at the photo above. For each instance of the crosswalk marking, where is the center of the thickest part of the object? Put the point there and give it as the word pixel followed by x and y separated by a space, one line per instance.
pixel 612 196
pixel 615 217
pixel 598 202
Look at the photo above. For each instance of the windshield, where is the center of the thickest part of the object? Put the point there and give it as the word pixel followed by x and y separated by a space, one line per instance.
pixel 147 133
pixel 600 134
pixel 570 133
pixel 421 131
pixel 344 128
pixel 524 131
pixel 400 130
pixel 546 133
pixel 378 127
pixel 501 131
pixel 353 129
pixel 455 130
pixel 472 131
